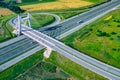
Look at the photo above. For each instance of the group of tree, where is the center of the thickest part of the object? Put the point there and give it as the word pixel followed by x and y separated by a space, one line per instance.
pixel 13 8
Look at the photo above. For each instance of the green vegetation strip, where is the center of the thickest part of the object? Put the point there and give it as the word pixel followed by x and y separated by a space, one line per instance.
pixel 100 39
pixel 96 1
pixel 29 2
pixel 22 66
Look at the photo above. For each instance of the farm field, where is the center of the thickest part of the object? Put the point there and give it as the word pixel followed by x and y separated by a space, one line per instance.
pixel 100 39
pixel 59 4
pixel 5 11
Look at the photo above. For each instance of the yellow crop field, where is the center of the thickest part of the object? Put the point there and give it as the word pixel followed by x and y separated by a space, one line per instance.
pixel 60 4
pixel 5 11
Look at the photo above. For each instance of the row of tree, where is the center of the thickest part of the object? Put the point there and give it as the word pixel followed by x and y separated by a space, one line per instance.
pixel 99 3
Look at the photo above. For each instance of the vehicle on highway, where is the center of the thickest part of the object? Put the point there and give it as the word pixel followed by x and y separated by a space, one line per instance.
pixel 80 22
pixel 54 27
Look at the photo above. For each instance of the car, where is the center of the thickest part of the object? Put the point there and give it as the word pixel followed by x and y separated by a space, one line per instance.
pixel 54 27
pixel 80 22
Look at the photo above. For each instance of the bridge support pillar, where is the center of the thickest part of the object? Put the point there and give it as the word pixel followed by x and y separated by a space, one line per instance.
pixel 19 26
pixel 47 52
pixel 29 23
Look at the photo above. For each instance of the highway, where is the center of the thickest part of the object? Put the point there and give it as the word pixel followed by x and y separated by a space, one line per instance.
pixel 64 26
pixel 78 57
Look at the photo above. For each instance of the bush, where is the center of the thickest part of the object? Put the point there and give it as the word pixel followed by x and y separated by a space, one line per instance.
pixel 100 34
pixel 111 39
pixel 114 49
pixel 99 31
pixel 118 25
pixel 113 33
pixel 116 20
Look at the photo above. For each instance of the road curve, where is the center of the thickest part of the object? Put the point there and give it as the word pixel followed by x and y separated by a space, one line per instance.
pixel 13 21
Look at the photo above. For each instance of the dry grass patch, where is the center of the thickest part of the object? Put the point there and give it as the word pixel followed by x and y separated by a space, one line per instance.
pixel 60 4
pixel 5 11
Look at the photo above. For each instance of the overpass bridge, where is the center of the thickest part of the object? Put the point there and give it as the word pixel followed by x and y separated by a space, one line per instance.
pixel 78 57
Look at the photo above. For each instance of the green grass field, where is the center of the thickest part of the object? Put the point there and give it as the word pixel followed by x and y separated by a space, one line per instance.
pixel 100 39
pixel 5 28
pixel 39 21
